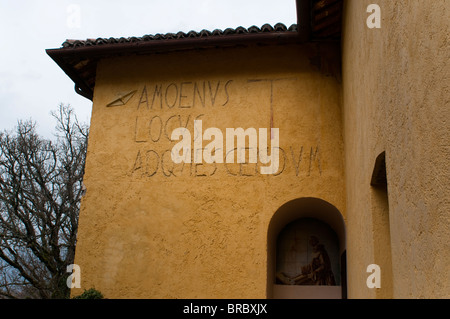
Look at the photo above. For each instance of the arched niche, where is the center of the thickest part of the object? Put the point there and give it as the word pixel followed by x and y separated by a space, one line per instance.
pixel 306 215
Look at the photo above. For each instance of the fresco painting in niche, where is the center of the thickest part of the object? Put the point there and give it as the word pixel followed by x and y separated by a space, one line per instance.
pixel 308 254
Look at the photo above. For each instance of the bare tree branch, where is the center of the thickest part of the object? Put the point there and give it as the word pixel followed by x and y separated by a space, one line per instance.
pixel 40 192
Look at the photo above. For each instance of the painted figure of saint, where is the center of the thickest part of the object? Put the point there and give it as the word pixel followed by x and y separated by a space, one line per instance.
pixel 317 272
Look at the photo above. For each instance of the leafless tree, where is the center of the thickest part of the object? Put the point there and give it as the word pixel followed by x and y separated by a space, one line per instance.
pixel 40 192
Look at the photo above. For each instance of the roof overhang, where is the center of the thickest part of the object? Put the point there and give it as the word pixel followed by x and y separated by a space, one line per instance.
pixel 317 20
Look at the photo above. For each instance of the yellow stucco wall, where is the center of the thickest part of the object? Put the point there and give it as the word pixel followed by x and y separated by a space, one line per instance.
pixel 396 99
pixel 152 229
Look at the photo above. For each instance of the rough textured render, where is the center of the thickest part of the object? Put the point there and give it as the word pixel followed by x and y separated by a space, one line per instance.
pixel 396 99
pixel 150 228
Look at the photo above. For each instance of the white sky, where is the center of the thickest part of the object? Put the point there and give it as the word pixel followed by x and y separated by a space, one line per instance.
pixel 31 84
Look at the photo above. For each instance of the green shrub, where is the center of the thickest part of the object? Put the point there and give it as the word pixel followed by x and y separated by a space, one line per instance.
pixel 90 294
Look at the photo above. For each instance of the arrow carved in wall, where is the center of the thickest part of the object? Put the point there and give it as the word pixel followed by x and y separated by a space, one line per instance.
pixel 122 100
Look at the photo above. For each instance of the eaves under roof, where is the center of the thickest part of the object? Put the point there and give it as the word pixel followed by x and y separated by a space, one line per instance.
pixel 318 20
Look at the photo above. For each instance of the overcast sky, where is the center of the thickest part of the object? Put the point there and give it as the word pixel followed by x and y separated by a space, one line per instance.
pixel 31 84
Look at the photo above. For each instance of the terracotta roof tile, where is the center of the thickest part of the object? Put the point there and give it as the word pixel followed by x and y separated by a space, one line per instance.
pixel 279 27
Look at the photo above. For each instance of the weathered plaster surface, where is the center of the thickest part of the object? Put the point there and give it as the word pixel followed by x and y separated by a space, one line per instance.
pixel 396 99
pixel 149 229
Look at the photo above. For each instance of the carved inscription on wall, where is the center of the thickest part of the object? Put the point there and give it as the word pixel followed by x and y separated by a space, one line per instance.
pixel 298 160
pixel 160 108
pixel 185 95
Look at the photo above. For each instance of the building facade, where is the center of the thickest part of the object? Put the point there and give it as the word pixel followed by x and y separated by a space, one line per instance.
pixel 343 134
